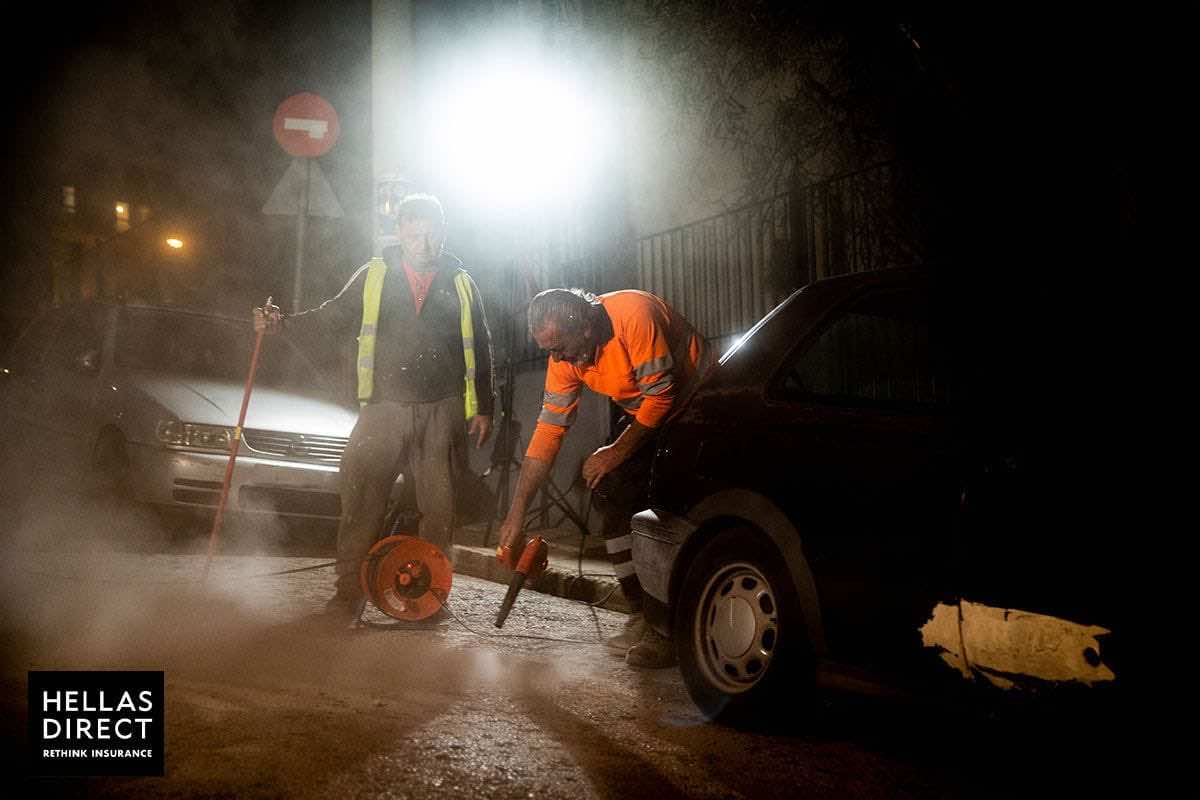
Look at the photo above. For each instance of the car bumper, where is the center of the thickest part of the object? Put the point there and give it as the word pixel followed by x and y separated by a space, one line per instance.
pixel 259 485
pixel 658 536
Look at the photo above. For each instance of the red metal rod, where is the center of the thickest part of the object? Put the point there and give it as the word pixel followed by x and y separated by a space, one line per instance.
pixel 234 443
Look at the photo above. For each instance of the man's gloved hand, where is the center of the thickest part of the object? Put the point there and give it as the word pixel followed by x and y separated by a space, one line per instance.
pixel 268 319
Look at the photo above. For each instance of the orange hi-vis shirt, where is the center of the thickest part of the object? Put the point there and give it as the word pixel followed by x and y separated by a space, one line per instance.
pixel 653 357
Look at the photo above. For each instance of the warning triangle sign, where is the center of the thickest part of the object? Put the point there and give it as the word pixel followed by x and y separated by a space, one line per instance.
pixel 290 197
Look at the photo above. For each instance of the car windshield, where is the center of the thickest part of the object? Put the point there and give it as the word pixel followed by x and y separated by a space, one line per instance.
pixel 741 340
pixel 210 348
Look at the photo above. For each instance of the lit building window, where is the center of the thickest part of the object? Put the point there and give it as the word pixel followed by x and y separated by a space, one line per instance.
pixel 68 199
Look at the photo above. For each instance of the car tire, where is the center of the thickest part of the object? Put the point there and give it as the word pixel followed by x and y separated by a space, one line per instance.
pixel 739 632
pixel 111 505
pixel 110 466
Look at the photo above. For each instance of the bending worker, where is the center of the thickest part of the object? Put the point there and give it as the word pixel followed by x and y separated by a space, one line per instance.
pixel 425 382
pixel 634 348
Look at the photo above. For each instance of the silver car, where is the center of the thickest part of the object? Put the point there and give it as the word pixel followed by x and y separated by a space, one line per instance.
pixel 146 400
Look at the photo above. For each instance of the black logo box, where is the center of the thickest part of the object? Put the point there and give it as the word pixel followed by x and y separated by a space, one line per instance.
pixel 96 723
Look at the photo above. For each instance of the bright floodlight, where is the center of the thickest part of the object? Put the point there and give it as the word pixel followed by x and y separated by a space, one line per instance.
pixel 174 243
pixel 514 133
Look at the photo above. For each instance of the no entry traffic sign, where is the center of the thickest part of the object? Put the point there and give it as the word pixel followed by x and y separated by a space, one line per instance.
pixel 306 125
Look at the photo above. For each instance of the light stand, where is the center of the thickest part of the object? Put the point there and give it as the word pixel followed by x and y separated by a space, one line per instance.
pixel 509 434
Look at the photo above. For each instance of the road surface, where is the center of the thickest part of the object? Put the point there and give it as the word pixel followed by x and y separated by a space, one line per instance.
pixel 259 703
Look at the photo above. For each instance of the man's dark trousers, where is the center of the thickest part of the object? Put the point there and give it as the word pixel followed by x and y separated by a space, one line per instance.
pixel 619 495
pixel 390 438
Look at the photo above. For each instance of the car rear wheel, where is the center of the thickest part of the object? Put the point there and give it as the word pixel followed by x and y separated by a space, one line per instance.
pixel 743 649
pixel 111 504
pixel 110 466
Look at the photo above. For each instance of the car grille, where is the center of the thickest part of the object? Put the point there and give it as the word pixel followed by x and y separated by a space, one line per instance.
pixel 278 500
pixel 269 499
pixel 296 446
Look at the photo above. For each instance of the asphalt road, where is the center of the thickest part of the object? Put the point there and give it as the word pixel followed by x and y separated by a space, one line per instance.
pixel 261 703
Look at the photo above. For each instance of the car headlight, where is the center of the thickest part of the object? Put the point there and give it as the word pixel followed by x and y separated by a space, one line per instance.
pixel 188 434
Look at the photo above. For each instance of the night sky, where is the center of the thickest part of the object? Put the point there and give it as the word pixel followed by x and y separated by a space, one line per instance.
pixel 157 104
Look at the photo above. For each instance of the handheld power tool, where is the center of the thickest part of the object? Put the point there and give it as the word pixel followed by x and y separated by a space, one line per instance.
pixel 530 564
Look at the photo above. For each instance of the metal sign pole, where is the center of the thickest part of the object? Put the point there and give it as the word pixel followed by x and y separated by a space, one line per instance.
pixel 301 224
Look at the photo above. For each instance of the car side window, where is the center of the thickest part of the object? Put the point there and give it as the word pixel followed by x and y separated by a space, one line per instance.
pixel 81 333
pixel 877 351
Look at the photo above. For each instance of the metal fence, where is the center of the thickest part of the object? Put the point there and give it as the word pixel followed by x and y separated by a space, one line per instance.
pixel 725 272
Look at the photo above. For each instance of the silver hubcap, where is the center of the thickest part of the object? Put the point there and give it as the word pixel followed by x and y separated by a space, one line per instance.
pixel 736 628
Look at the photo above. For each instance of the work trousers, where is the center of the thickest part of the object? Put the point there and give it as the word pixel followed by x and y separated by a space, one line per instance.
pixel 417 439
pixel 619 495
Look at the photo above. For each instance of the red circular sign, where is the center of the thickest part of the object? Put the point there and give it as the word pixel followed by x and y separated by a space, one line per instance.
pixel 306 125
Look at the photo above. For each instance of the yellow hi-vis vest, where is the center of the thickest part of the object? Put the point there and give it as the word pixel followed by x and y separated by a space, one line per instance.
pixel 372 293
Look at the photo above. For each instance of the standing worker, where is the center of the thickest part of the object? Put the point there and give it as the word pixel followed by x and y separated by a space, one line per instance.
pixel 634 348
pixel 424 365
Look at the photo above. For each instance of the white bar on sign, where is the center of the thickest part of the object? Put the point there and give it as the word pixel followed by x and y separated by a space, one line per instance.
pixel 314 127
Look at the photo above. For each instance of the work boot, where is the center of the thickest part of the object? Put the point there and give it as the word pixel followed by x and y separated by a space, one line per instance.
pixel 653 651
pixel 341 613
pixel 630 634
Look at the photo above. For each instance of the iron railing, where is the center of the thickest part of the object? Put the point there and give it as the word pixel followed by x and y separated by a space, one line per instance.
pixel 725 272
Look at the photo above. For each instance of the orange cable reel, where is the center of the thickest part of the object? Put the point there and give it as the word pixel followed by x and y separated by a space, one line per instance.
pixel 406 578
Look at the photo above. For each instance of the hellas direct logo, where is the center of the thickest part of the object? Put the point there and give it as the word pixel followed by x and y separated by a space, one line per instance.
pixel 100 728
pixel 96 723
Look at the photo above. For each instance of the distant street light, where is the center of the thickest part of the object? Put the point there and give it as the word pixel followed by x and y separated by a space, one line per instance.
pixel 122 216
pixel 174 243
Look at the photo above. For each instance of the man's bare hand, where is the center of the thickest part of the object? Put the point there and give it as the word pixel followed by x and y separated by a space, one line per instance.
pixel 510 536
pixel 600 463
pixel 268 319
pixel 480 428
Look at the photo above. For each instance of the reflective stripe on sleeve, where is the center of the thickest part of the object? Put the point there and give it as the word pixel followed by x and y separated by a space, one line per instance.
pixel 658 387
pixel 653 366
pixel 555 399
pixel 557 418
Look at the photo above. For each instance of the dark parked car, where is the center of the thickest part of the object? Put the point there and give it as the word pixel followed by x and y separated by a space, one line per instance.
pixel 845 493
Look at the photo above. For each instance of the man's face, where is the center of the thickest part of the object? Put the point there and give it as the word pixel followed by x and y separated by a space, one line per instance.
pixel 421 242
pixel 578 347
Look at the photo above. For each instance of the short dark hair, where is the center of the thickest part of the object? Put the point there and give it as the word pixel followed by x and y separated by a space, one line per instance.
pixel 420 206
pixel 568 308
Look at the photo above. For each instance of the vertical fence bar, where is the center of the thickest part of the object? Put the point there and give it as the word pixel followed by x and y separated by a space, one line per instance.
pixel 756 262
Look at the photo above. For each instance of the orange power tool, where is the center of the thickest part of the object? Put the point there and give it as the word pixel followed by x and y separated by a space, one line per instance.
pixel 529 566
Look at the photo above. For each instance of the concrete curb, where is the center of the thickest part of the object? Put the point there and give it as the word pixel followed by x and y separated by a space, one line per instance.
pixel 561 578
